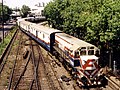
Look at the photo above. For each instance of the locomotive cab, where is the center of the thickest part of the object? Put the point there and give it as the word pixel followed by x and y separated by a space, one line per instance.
pixel 86 63
pixel 84 52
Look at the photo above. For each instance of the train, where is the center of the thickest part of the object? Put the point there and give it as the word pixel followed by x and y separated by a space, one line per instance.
pixel 80 57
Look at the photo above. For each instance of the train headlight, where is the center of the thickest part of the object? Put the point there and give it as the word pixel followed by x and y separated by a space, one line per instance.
pixel 94 82
pixel 99 82
pixel 99 74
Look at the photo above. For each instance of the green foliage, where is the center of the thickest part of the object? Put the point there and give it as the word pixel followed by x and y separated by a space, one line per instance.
pixel 7 39
pixel 6 12
pixel 25 10
pixel 96 21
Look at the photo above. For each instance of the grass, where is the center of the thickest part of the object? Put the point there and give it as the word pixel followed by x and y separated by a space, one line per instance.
pixel 7 39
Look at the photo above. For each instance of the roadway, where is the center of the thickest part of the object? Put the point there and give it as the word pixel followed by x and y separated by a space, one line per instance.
pixel 7 27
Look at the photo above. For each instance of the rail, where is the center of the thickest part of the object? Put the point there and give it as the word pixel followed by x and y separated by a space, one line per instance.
pixel 11 76
pixel 35 63
pixel 7 51
pixel 113 84
pixel 20 77
pixel 8 46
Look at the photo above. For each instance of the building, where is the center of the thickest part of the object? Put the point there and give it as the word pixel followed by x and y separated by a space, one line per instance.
pixel 15 14
pixel 37 10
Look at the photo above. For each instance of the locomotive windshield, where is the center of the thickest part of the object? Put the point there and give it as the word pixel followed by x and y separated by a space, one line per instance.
pixel 90 50
pixel 86 51
pixel 83 51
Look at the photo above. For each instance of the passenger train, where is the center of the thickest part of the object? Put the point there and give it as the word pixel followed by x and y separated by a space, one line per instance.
pixel 81 57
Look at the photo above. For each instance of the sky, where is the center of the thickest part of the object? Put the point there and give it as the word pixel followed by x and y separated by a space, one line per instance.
pixel 19 3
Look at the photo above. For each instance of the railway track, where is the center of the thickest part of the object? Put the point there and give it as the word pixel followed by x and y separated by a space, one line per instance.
pixel 46 79
pixel 19 68
pixel 112 84
pixel 35 60
pixel 27 66
pixel 14 66
pixel 51 76
pixel 113 80
pixel 6 53
pixel 6 62
pixel 8 48
pixel 26 70
pixel 23 74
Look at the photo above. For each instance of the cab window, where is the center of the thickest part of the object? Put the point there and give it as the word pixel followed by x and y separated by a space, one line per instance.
pixel 91 52
pixel 83 52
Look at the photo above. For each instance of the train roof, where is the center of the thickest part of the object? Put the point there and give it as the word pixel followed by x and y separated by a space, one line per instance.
pixel 75 42
pixel 41 28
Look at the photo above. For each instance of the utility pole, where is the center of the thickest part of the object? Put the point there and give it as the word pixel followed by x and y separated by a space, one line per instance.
pixel 3 21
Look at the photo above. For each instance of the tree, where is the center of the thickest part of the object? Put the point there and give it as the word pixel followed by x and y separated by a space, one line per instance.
pixel 25 10
pixel 6 11
pixel 95 21
pixel 53 13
